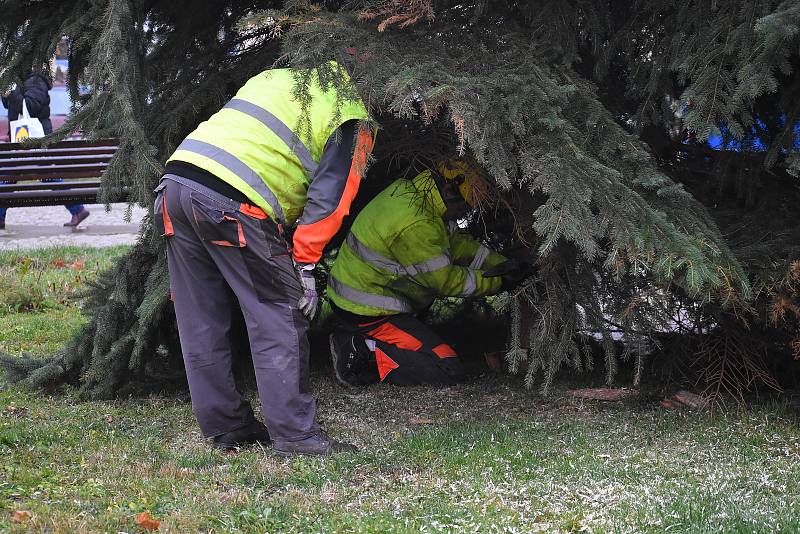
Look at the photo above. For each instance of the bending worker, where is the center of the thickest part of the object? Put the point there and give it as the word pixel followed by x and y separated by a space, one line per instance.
pixel 402 252
pixel 231 190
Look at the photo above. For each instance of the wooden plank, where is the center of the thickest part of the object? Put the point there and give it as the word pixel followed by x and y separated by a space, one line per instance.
pixel 48 194
pixel 61 144
pixel 48 160
pixel 34 186
pixel 55 198
pixel 39 152
pixel 44 176
pixel 54 169
pixel 12 195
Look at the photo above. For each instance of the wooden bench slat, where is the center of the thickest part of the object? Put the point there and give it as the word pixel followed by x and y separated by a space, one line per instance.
pixel 47 194
pixel 54 169
pixel 72 184
pixel 50 198
pixel 44 152
pixel 61 176
pixel 82 143
pixel 57 160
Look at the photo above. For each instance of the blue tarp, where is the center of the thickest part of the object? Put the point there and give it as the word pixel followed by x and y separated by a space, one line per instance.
pixel 751 143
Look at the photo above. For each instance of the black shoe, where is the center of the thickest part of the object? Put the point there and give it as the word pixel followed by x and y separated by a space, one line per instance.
pixel 347 358
pixel 319 445
pixel 255 432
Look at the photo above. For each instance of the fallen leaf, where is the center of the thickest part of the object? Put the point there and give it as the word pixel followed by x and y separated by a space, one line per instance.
pixel 110 418
pixel 145 521
pixel 692 400
pixel 11 408
pixel 77 265
pixel 20 516
pixel 59 263
pixel 420 421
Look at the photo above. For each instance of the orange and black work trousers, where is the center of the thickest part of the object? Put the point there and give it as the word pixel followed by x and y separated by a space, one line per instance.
pixel 405 351
pixel 222 254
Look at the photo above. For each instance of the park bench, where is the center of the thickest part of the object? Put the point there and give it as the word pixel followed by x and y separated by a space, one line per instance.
pixel 67 172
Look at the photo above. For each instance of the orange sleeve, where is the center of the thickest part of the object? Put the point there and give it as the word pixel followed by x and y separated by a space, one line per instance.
pixel 310 239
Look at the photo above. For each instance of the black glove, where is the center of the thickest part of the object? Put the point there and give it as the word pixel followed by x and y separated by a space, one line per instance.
pixel 513 273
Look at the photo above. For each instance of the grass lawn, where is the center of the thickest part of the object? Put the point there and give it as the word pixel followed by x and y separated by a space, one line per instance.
pixel 479 457
pixel 38 310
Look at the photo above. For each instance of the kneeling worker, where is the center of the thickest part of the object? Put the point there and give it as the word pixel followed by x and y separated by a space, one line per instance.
pixel 403 251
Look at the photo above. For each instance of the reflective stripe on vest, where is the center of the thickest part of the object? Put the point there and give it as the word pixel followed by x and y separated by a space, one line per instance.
pixel 382 262
pixel 237 167
pixel 480 257
pixel 283 132
pixel 469 284
pixel 367 299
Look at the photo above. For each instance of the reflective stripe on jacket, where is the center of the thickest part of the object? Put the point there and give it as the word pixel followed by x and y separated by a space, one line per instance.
pixel 400 255
pixel 257 145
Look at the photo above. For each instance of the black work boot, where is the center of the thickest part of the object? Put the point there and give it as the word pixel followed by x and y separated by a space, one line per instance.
pixel 319 445
pixel 349 355
pixel 254 432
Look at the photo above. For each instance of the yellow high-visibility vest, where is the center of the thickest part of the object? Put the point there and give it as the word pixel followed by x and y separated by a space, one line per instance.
pixel 266 144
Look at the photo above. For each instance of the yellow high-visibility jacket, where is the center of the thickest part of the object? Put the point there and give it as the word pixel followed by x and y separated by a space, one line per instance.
pixel 400 255
pixel 264 145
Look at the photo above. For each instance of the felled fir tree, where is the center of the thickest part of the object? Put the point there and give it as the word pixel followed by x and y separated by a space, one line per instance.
pixel 588 117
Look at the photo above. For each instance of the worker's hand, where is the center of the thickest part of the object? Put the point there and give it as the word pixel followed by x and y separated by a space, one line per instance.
pixel 308 302
pixel 513 273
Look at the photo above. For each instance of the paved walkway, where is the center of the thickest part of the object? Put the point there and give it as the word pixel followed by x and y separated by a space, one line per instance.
pixel 42 227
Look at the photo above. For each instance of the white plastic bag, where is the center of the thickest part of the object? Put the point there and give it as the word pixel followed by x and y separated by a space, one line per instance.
pixel 25 127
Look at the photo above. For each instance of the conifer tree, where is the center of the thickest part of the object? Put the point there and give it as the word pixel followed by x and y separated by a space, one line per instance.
pixel 590 118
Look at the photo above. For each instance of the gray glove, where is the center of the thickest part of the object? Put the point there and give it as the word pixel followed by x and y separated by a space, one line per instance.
pixel 308 302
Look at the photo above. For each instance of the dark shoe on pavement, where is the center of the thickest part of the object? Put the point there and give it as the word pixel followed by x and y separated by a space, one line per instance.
pixel 349 355
pixel 77 218
pixel 255 432
pixel 319 445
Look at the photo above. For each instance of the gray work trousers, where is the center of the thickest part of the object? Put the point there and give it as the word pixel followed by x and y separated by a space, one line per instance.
pixel 220 257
